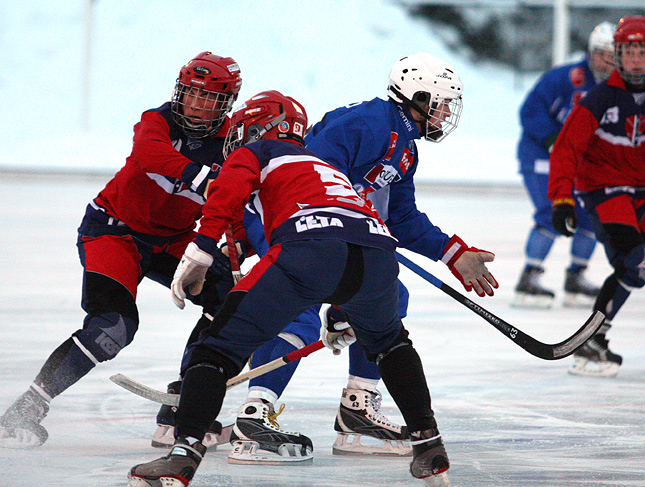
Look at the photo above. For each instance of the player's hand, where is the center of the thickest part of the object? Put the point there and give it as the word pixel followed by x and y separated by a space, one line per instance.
pixel 563 217
pixel 190 273
pixel 335 332
pixel 468 264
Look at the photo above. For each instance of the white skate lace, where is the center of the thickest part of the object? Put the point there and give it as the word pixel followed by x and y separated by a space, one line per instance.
pixel 374 412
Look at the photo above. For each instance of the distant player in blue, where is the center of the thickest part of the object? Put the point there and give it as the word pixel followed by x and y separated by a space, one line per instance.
pixel 373 144
pixel 542 116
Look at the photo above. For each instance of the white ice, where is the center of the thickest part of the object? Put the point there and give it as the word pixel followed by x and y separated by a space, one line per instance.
pixel 508 418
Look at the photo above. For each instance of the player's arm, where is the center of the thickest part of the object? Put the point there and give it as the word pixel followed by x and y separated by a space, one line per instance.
pixel 537 113
pixel 153 151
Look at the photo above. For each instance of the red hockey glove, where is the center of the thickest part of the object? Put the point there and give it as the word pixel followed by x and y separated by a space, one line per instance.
pixel 468 265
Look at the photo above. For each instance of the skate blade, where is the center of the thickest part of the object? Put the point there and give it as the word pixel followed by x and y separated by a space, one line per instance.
pixel 211 440
pixel 161 482
pixel 20 439
pixel 438 480
pixel 351 445
pixel 522 300
pixel 578 300
pixel 250 453
pixel 163 437
pixel 587 368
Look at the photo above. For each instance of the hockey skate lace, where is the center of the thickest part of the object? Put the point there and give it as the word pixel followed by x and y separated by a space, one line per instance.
pixel 272 417
pixel 377 415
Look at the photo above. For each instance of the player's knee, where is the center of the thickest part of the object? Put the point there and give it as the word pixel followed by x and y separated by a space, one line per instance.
pixel 401 340
pixel 623 238
pixel 633 274
pixel 104 336
pixel 203 356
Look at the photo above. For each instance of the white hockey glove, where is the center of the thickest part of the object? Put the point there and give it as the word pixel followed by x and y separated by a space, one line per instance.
pixel 335 332
pixel 468 265
pixel 190 273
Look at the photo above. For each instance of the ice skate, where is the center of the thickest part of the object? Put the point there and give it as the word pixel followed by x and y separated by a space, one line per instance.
pixel 174 470
pixel 258 439
pixel 364 430
pixel 594 359
pixel 164 435
pixel 578 292
pixel 20 425
pixel 529 293
pixel 430 462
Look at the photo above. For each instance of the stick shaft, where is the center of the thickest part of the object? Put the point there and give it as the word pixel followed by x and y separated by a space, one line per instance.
pixel 232 255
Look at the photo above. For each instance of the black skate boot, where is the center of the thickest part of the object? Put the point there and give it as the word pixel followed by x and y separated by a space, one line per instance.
pixel 258 439
pixel 430 462
pixel 360 416
pixel 174 470
pixel 594 359
pixel 529 293
pixel 164 435
pixel 20 425
pixel 577 290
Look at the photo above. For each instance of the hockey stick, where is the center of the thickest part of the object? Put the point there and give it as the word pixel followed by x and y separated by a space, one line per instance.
pixel 173 399
pixel 531 345
pixel 232 255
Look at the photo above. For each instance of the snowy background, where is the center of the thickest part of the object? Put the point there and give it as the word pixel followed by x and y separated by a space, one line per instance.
pixel 323 56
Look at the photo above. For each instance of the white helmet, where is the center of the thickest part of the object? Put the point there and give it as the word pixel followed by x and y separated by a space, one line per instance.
pixel 431 87
pixel 602 39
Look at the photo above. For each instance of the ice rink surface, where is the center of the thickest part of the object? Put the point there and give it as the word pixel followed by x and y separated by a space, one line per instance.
pixel 508 418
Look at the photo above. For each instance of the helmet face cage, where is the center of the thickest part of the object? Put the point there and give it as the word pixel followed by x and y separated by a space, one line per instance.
pixel 630 50
pixel 601 51
pixel 199 112
pixel 268 115
pixel 431 87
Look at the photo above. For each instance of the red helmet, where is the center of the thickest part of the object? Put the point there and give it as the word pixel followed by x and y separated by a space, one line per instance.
pixel 267 115
pixel 204 94
pixel 629 40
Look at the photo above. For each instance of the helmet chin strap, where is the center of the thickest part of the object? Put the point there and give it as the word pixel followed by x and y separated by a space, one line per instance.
pixel 267 128
pixel 436 132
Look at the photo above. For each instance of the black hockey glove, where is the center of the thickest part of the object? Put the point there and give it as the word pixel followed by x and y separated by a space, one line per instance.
pixel 563 217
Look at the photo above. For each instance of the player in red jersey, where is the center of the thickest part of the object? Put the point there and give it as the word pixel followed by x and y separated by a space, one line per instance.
pixel 327 245
pixel 599 158
pixel 139 226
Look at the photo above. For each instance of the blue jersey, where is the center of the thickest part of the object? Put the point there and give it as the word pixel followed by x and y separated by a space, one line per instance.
pixel 373 144
pixel 545 109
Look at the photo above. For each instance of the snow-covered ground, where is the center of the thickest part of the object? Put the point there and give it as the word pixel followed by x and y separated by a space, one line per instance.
pixel 323 54
pixel 508 418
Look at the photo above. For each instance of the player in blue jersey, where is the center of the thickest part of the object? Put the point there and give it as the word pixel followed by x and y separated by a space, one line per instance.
pixel 373 144
pixel 542 116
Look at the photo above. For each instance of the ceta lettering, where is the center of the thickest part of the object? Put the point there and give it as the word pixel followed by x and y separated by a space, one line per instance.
pixel 378 228
pixel 311 222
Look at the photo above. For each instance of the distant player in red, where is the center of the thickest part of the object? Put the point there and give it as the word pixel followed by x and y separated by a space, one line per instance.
pixel 599 158
pixel 326 245
pixel 139 226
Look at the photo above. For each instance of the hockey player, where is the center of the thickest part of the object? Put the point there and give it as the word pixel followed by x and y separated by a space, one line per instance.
pixel 599 159
pixel 139 226
pixel 372 143
pixel 327 245
pixel 542 115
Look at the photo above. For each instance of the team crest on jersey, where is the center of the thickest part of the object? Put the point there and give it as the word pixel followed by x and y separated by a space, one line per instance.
pixel 406 160
pixel 635 128
pixel 382 175
pixel 194 144
pixel 610 116
pixel 577 77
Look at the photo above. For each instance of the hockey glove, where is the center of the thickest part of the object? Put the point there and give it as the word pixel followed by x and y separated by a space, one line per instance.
pixel 468 265
pixel 190 273
pixel 335 332
pixel 563 216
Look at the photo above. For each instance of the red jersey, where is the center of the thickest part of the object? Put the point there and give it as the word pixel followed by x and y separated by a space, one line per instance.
pixel 602 144
pixel 157 191
pixel 301 197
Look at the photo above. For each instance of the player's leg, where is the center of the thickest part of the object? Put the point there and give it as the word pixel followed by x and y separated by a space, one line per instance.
pixel 374 316
pixel 620 226
pixel 578 291
pixel 361 426
pixel 109 288
pixel 272 295
pixel 529 291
